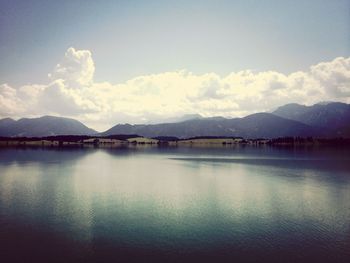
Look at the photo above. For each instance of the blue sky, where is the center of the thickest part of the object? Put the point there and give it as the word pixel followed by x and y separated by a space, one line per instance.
pixel 132 38
pixel 108 62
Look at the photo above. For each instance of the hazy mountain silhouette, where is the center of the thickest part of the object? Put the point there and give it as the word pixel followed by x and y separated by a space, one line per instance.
pixel 253 126
pixel 182 118
pixel 333 116
pixel 320 120
pixel 43 126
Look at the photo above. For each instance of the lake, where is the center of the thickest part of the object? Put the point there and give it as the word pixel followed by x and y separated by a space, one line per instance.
pixel 164 204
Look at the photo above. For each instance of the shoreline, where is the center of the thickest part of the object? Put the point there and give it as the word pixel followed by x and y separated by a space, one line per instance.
pixel 119 141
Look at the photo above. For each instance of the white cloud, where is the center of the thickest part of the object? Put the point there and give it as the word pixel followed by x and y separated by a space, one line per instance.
pixel 57 97
pixel 9 102
pixel 72 92
pixel 334 77
pixel 76 69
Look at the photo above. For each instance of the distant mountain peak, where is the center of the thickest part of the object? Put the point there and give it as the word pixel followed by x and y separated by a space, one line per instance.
pixel 43 126
pixel 7 120
pixel 327 114
pixel 324 103
pixel 185 117
pixel 293 104
pixel 191 116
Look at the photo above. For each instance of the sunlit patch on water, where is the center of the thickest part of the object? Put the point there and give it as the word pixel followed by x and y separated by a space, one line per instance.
pixel 175 204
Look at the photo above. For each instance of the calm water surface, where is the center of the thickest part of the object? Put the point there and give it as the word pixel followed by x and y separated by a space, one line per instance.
pixel 152 204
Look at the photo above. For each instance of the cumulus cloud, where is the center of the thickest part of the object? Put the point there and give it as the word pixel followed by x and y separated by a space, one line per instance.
pixel 76 69
pixel 334 77
pixel 9 101
pixel 57 97
pixel 71 91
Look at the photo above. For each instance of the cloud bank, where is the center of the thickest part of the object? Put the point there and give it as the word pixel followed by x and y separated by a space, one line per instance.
pixel 72 92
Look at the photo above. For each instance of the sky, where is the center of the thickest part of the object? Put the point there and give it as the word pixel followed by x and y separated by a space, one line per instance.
pixel 109 62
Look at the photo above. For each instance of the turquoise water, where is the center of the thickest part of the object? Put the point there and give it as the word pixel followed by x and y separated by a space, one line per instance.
pixel 151 204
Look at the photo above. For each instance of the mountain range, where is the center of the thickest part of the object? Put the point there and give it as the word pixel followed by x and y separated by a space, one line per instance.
pixel 319 120
pixel 334 116
pixel 43 126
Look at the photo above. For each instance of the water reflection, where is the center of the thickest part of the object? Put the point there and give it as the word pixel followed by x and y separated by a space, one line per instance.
pixel 259 200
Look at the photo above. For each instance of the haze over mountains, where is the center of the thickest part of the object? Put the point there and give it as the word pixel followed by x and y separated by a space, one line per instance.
pixel 256 125
pixel 319 120
pixel 43 126
pixel 331 115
